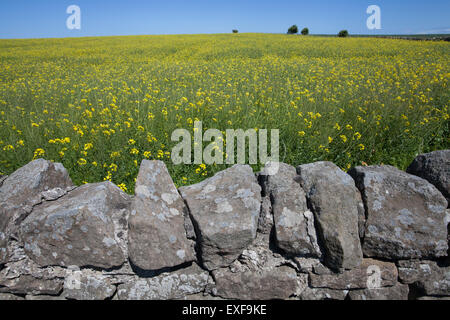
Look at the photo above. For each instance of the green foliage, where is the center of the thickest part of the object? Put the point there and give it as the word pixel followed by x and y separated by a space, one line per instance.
pixel 293 30
pixel 343 34
pixel 305 31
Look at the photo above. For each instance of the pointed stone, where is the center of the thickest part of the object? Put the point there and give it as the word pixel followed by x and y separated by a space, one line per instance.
pixel 335 202
pixel 157 237
pixel 22 190
pixel 295 231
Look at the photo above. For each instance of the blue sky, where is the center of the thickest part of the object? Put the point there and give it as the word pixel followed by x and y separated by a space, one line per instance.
pixel 47 18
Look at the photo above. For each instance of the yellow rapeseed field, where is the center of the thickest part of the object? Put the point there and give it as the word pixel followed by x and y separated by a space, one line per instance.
pixel 101 105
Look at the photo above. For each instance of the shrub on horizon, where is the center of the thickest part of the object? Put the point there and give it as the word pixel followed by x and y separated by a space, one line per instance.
pixel 293 30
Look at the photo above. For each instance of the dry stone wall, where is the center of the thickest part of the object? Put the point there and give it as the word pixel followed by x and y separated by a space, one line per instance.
pixel 308 233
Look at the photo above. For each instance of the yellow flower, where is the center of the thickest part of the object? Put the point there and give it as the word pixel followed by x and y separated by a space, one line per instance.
pixel 301 133
pixel 344 138
pixel 147 154
pixel 361 147
pixel 330 139
pixel 82 162
pixel 88 146
pixel 123 186
pixel 38 153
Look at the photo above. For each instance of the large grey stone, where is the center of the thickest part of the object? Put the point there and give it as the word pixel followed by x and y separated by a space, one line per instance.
pixel 24 189
pixel 397 292
pixel 405 214
pixel 278 283
pixel 157 237
pixel 295 232
pixel 167 286
pixel 225 211
pixel 428 276
pixel 335 202
pixel 435 168
pixel 87 227
pixel 370 274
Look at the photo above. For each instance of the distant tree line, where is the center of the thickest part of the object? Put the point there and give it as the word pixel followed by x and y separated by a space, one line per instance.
pixel 305 31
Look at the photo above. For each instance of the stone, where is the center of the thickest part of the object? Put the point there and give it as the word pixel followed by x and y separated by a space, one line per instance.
pixel 44 298
pixel 167 286
pixel 397 292
pixel 295 232
pixel 314 294
pixel 265 220
pixel 27 267
pixel 224 210
pixel 9 297
pixel 428 276
pixel 384 273
pixel 279 283
pixel 26 284
pixel 405 214
pixel 24 189
pixel 435 168
pixel 335 202
pixel 87 285
pixel 2 178
pixel 85 228
pixel 157 236
pixel 427 298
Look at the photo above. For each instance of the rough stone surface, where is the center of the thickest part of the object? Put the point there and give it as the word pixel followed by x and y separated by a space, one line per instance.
pixel 405 214
pixel 278 283
pixel 265 221
pixel 24 189
pixel 28 284
pixel 67 243
pixel 168 286
pixel 225 211
pixel 87 227
pixel 428 276
pixel 88 285
pixel 157 237
pixel 427 298
pixel 294 224
pixel 312 294
pixel 335 202
pixel 9 297
pixel 397 292
pixel 44 298
pixel 358 278
pixel 435 168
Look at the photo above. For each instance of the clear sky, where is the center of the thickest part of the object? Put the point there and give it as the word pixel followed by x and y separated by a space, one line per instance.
pixel 47 18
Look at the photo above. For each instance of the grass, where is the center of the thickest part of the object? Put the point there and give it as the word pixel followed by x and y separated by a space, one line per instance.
pixel 101 105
